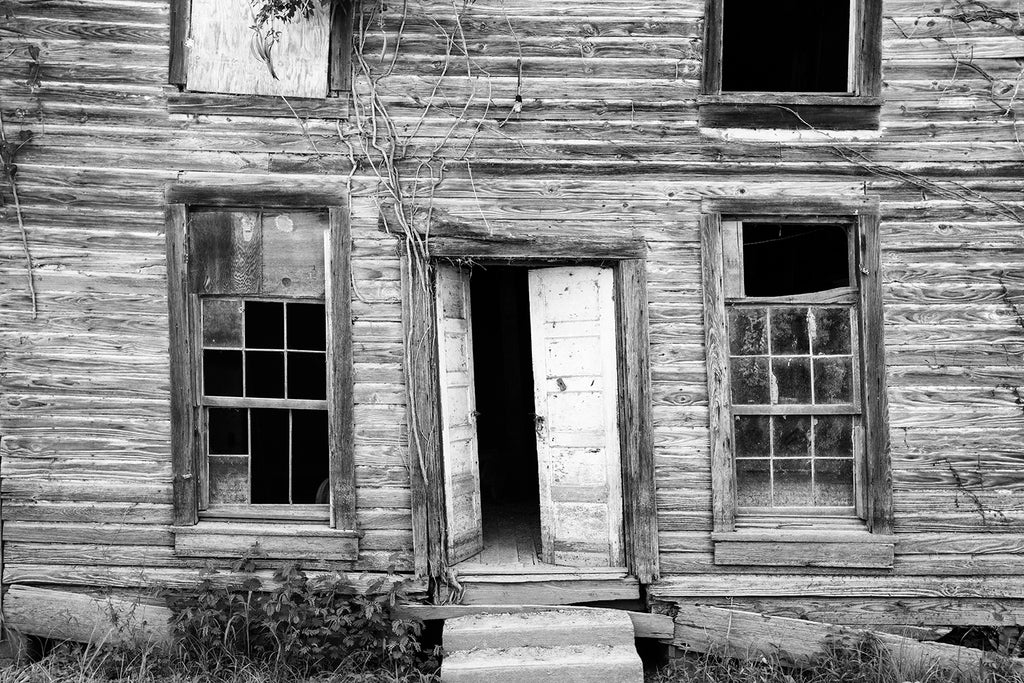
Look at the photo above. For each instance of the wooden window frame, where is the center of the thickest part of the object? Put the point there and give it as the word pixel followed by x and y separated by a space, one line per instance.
pixel 803 540
pixel 339 74
pixel 626 257
pixel 272 525
pixel 858 109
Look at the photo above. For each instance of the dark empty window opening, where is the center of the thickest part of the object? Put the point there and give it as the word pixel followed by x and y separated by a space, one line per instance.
pixel 791 46
pixel 265 396
pixel 506 435
pixel 782 259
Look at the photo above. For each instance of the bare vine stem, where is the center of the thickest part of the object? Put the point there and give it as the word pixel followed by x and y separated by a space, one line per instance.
pixel 9 171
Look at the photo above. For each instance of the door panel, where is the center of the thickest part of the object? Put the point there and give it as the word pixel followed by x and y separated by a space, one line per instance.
pixel 572 324
pixel 458 415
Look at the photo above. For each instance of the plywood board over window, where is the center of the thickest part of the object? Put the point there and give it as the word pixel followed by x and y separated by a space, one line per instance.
pixel 216 49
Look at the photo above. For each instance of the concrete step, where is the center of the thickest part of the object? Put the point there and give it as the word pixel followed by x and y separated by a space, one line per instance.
pixel 567 664
pixel 554 628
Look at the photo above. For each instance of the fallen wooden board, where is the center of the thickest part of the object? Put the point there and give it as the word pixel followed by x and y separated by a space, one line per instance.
pixel 645 624
pixel 64 615
pixel 796 642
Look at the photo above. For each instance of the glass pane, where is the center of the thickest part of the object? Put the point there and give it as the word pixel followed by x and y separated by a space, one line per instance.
pixel 792 436
pixel 752 436
pixel 833 482
pixel 792 483
pixel 789 331
pixel 750 381
pixel 228 431
pixel 831 331
pixel 833 436
pixel 264 374
pixel 307 376
pixel 747 332
pixel 833 380
pixel 222 322
pixel 269 456
pixel 753 483
pixel 307 327
pixel 264 325
pixel 782 259
pixel 309 456
pixel 793 379
pixel 229 479
pixel 222 373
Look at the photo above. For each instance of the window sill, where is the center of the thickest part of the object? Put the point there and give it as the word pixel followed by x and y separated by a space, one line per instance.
pixel 804 548
pixel 789 112
pixel 275 541
pixel 217 104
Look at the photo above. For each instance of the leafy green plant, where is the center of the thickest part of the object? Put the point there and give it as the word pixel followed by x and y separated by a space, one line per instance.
pixel 307 626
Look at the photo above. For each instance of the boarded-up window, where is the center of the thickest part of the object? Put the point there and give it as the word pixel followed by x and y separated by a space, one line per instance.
pixel 217 49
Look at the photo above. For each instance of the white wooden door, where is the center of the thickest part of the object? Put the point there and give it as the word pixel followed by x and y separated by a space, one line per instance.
pixel 572 324
pixel 458 415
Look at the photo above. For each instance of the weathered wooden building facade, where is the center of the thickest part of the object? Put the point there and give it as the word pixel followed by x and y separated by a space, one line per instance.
pixel 544 303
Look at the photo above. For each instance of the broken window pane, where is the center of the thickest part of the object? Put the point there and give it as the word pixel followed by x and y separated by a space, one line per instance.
pixel 228 431
pixel 792 436
pixel 270 480
pixel 752 435
pixel 786 46
pixel 307 376
pixel 222 322
pixel 747 331
pixel 750 381
pixel 309 454
pixel 781 259
pixel 229 479
pixel 833 436
pixel 831 331
pixel 753 483
pixel 791 483
pixel 833 380
pixel 264 325
pixel 307 327
pixel 833 482
pixel 789 331
pixel 264 374
pixel 222 373
pixel 793 379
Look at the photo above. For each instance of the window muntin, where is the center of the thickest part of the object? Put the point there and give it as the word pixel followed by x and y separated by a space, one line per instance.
pixel 264 396
pixel 794 366
pixel 789 46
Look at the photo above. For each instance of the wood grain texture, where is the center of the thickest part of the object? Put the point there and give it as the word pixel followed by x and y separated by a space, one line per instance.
pixel 183 401
pixel 635 430
pixel 717 359
pixel 340 425
pixel 81 617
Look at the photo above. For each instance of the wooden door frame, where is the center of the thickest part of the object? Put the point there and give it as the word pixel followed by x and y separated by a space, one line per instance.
pixel 626 258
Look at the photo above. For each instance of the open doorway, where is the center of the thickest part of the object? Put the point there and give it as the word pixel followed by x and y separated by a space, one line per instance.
pixel 507 440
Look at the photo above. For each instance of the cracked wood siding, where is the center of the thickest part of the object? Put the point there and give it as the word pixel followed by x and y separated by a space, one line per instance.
pixel 606 146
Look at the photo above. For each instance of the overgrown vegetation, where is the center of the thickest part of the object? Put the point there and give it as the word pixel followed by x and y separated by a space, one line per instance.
pixel 846 661
pixel 309 629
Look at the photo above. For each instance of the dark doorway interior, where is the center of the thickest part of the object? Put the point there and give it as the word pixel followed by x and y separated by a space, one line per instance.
pixel 503 370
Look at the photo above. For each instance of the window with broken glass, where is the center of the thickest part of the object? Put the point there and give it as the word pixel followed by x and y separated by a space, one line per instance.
pixel 792 318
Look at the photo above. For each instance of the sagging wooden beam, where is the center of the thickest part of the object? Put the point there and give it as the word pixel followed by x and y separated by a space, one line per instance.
pixel 732 633
pixel 81 617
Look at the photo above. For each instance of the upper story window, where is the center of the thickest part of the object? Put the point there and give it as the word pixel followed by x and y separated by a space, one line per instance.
pixel 818 59
pixel 216 48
